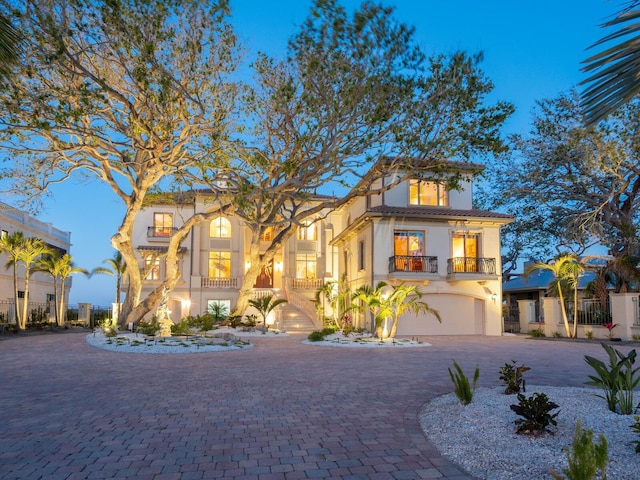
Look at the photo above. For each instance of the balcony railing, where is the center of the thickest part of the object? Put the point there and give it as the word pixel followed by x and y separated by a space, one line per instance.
pixel 306 283
pixel 219 282
pixel 485 266
pixel 160 232
pixel 409 263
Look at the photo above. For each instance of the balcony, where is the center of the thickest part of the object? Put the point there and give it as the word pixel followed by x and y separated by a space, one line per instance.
pixel 410 263
pixel 160 233
pixel 219 282
pixel 475 266
pixel 306 283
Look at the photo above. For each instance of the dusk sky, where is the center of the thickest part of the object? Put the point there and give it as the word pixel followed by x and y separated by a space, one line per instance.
pixel 532 50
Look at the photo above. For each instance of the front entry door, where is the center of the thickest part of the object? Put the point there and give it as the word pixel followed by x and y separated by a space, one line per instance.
pixel 265 279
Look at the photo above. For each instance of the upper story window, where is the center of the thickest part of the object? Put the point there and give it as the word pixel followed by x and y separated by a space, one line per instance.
pixel 422 192
pixel 152 267
pixel 162 224
pixel 219 264
pixel 220 227
pixel 307 232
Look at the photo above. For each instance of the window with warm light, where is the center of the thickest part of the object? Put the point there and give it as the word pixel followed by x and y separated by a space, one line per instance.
pixel 267 235
pixel 406 242
pixel 306 264
pixel 152 267
pixel 220 264
pixel 465 245
pixel 307 232
pixel 162 224
pixel 220 227
pixel 426 193
pixel 464 249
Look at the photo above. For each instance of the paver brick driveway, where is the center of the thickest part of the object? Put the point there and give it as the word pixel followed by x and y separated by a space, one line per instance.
pixel 281 410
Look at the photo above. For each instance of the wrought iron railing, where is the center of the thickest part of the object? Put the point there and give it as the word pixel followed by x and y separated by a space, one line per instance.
pixel 410 263
pixel 219 282
pixel 485 266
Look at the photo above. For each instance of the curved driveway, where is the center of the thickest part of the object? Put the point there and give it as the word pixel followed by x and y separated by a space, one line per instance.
pixel 281 410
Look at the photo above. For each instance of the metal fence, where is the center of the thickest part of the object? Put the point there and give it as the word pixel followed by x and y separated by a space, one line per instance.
pixel 43 314
pixel 591 311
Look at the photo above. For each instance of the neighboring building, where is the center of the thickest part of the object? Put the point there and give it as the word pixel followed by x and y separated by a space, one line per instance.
pixel 418 232
pixel 41 292
pixel 535 286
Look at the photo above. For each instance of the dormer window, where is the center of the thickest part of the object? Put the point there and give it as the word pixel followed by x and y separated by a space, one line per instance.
pixel 426 193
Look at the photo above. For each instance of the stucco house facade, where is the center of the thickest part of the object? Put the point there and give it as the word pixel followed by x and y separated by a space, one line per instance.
pixel 41 291
pixel 418 232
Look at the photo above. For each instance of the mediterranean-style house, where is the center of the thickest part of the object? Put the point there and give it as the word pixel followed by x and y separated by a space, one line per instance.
pixel 41 291
pixel 418 232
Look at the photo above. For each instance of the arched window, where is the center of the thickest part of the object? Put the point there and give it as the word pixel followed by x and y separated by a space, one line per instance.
pixel 220 227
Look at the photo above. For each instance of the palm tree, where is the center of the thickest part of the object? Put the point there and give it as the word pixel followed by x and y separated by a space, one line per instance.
pixel 10 244
pixel 31 249
pixel 388 303
pixel 25 251
pixel 566 271
pixel 60 268
pixel 338 294
pixel 264 305
pixel 118 269
pixel 615 70
pixel 10 47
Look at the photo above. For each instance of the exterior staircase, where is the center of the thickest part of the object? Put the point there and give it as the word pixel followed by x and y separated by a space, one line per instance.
pixel 293 320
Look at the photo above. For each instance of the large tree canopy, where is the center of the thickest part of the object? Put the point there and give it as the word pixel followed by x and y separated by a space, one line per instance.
pixel 139 94
pixel 128 92
pixel 353 90
pixel 571 185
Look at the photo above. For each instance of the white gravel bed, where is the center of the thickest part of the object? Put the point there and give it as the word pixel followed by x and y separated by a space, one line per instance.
pixel 366 340
pixel 481 436
pixel 134 343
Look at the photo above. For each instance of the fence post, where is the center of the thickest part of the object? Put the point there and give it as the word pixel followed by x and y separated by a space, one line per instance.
pixel 552 316
pixel 527 313
pixel 624 314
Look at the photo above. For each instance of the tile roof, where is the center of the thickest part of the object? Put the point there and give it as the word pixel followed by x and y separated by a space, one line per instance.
pixel 444 212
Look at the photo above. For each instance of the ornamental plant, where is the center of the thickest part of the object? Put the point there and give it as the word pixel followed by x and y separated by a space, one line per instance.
pixel 636 429
pixel 585 459
pixel 535 413
pixel 617 379
pixel 464 390
pixel 511 375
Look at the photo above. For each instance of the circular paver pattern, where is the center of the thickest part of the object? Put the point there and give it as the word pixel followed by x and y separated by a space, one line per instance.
pixel 281 410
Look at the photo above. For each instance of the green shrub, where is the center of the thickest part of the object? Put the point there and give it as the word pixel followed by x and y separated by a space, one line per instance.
pixel 535 413
pixel 588 334
pixel 617 379
pixel 463 389
pixel 636 429
pixel 316 336
pixel 148 328
pixel 556 334
pixel 329 330
pixel 181 328
pixel 250 320
pixel 511 375
pixel 233 321
pixel 585 458
pixel 537 333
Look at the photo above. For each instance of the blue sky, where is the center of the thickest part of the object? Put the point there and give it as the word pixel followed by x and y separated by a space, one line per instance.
pixel 532 50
